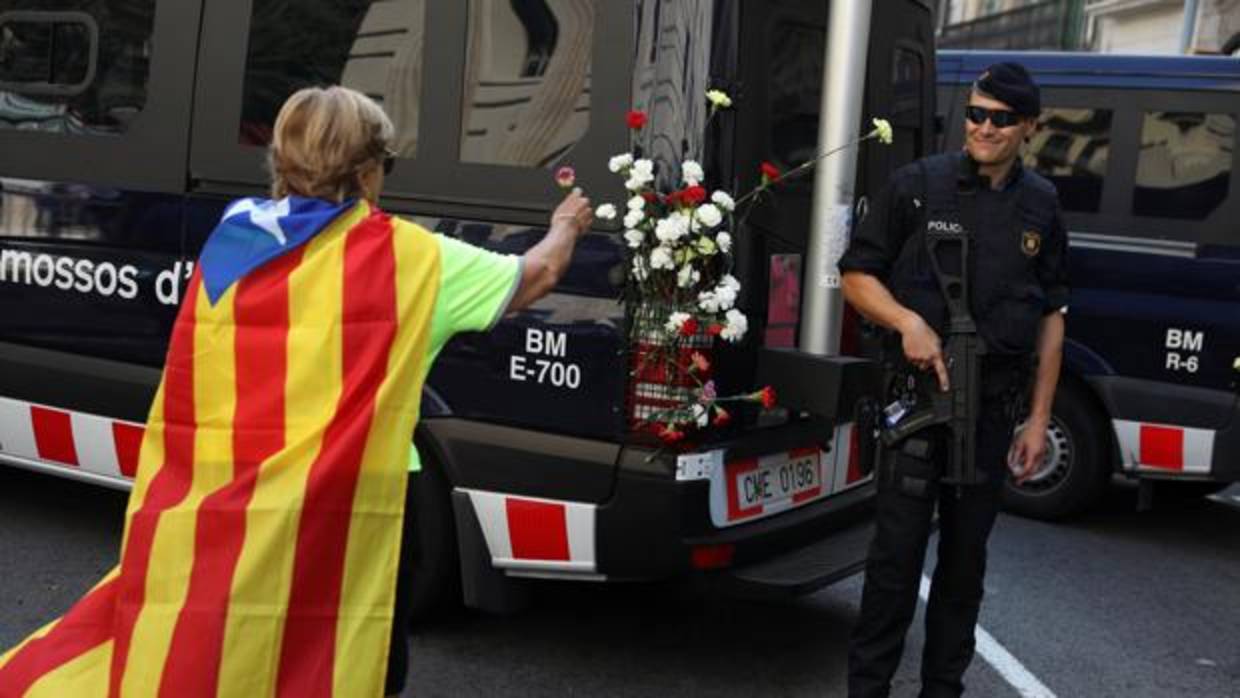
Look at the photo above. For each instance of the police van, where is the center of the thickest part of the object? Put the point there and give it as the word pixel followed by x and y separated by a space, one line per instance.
pixel 1144 153
pixel 126 126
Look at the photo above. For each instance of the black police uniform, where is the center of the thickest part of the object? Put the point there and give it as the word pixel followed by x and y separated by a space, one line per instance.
pixel 1018 274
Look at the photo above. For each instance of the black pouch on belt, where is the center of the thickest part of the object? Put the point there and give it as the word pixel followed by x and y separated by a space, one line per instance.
pixel 912 469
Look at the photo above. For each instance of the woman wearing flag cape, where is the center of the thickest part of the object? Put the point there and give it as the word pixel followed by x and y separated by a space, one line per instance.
pixel 263 534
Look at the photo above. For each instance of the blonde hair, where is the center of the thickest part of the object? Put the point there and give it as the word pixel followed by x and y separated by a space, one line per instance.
pixel 324 140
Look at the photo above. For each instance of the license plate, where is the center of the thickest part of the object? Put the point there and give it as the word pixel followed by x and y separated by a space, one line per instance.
pixel 762 486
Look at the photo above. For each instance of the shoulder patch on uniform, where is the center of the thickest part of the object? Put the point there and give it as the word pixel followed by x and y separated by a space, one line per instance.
pixel 1031 243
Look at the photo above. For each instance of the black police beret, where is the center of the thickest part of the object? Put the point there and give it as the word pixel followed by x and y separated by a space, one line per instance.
pixel 1011 84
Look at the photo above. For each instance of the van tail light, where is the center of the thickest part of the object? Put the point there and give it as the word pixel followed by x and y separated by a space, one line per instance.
pixel 713 557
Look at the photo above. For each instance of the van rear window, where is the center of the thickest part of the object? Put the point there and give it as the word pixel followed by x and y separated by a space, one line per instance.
pixel 1184 166
pixel 527 82
pixel 1071 147
pixel 74 66
pixel 373 46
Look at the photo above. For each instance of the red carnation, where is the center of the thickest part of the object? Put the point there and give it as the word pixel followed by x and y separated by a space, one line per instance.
pixel 769 172
pixel 767 396
pixel 674 199
pixel 636 119
pixel 715 329
pixel 721 417
pixel 690 327
pixel 670 434
pixel 650 197
pixel 693 195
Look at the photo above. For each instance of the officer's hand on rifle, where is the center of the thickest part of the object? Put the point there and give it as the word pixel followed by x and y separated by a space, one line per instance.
pixel 1028 450
pixel 922 347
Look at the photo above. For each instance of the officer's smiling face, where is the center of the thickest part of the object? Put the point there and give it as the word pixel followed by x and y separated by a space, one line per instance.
pixel 988 144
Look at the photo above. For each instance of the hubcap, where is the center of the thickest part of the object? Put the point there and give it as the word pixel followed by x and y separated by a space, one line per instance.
pixel 1055 466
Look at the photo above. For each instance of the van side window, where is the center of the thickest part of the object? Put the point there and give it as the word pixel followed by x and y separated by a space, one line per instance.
pixel 797 52
pixel 527 81
pixel 1071 148
pixel 373 46
pixel 75 66
pixel 908 71
pixel 1184 167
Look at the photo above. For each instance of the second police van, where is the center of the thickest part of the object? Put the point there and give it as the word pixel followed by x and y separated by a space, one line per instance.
pixel 1144 153
pixel 126 126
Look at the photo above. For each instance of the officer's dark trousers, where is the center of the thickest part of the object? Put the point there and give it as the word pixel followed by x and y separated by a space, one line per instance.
pixel 897 554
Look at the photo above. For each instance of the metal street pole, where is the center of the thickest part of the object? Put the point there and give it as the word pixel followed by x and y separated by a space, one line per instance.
pixel 1190 25
pixel 839 122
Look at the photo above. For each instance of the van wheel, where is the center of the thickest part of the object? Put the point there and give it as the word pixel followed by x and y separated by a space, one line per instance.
pixel 435 581
pixel 1077 466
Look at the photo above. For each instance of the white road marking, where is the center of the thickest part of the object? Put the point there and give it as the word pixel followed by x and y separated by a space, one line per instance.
pixel 1009 667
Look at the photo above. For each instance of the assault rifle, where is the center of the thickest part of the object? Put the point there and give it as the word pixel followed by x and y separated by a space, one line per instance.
pixel 957 408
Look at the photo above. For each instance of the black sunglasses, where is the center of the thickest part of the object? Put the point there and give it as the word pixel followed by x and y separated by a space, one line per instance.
pixel 1001 118
pixel 389 161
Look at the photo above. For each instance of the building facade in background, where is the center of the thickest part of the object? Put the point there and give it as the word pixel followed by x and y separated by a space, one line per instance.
pixel 1108 26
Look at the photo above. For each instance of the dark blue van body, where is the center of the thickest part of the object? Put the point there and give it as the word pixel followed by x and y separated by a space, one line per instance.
pixel 119 153
pixel 1143 151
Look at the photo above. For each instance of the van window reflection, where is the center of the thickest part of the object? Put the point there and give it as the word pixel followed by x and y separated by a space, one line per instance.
pixel 527 81
pixel 1071 147
pixel 1184 167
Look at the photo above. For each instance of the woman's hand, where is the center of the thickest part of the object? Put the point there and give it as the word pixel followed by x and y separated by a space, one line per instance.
pixel 574 209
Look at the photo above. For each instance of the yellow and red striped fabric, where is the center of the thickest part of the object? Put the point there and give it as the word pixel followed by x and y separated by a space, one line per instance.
pixel 262 534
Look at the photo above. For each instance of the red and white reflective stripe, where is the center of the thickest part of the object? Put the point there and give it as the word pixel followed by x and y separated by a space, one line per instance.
pixel 536 535
pixel 1164 448
pixel 845 459
pixel 74 440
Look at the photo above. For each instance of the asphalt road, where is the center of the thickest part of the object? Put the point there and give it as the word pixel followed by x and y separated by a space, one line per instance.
pixel 1117 603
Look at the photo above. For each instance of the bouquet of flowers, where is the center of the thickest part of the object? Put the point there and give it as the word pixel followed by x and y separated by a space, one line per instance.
pixel 680 281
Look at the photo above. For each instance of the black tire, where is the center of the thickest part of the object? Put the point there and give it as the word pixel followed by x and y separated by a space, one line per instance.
pixel 435 579
pixel 1079 464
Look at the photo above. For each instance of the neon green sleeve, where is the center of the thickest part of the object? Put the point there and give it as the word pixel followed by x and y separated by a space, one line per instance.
pixel 475 288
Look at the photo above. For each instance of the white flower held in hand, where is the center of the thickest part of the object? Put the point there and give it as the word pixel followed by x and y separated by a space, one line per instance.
pixel 636 203
pixel 606 212
pixel 692 173
pixel 633 218
pixel 634 238
pixel 724 241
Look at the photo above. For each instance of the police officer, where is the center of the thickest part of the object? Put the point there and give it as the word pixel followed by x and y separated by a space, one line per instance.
pixel 1017 296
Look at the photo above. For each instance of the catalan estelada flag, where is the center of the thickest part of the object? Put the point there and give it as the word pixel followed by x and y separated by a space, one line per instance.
pixel 262 534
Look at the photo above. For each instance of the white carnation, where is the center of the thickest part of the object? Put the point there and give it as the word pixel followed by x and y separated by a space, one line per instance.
pixel 644 167
pixel 606 212
pixel 724 201
pixel 676 321
pixel 636 203
pixel 709 215
pixel 705 246
pixel 633 218
pixel 729 281
pixel 620 162
pixel 692 173
pixel 634 238
pixel 736 327
pixel 661 258
pixel 687 276
pixel 708 302
pixel 724 241
pixel 672 228
pixel 726 297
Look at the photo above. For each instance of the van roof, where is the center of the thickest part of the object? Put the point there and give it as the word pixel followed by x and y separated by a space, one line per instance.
pixel 1220 73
